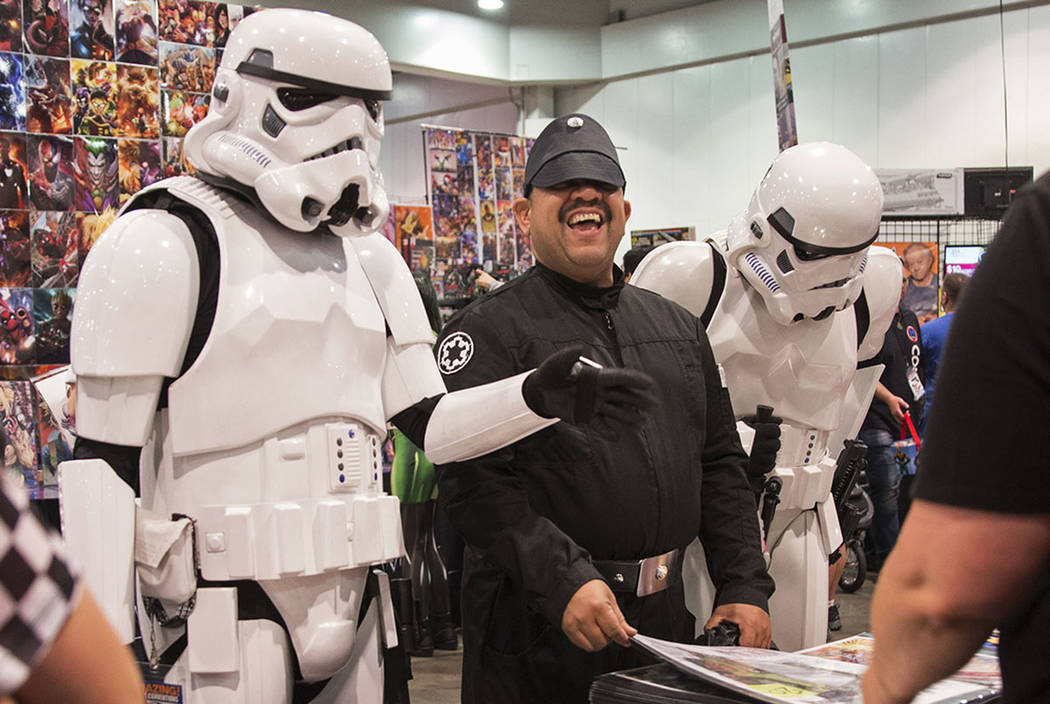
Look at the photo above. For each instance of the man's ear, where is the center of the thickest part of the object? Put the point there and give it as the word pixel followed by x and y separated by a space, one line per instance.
pixel 523 214
pixel 626 210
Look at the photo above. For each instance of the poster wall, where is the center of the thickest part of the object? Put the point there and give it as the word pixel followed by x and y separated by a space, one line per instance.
pixel 95 97
pixel 472 181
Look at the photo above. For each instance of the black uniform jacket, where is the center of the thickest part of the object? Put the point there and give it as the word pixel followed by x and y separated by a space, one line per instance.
pixel 539 510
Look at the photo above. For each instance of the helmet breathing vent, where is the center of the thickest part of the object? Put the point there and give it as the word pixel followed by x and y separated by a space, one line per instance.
pixel 784 262
pixel 762 272
pixel 863 263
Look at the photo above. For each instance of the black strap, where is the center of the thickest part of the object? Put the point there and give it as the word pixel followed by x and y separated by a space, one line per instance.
pixel 863 316
pixel 718 285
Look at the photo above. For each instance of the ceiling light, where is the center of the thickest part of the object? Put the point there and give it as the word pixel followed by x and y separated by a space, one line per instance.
pixel 490 4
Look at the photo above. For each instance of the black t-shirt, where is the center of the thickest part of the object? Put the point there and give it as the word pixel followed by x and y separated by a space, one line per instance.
pixel 983 447
pixel 901 351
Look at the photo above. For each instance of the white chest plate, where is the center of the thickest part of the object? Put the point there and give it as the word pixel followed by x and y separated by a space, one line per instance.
pixel 298 335
pixel 801 370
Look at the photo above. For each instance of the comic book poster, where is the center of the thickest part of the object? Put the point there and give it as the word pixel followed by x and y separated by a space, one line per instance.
pixel 15 269
pixel 138 165
pixel 137 31
pixel 389 229
pixel 175 163
pixel 13 171
pixel 53 239
pixel 441 139
pixel 51 184
pixel 188 21
pixel 12 92
pixel 95 97
pixel 517 152
pixel 89 227
pixel 488 231
pixel 17 414
pixel 224 19
pixel 45 26
pixel 49 95
pixel 504 184
pixel 91 36
pixel 506 254
pixel 52 313
pixel 180 111
pixel 468 230
pixel 921 269
pixel 95 172
pixel 415 230
pixel 187 68
pixel 443 184
pixel 138 102
pixel 17 340
pixel 54 426
pixel 10 25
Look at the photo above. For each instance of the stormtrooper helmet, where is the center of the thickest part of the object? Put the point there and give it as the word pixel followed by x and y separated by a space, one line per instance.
pixel 803 241
pixel 296 119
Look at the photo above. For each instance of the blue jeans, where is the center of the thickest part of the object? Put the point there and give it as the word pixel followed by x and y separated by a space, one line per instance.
pixel 884 479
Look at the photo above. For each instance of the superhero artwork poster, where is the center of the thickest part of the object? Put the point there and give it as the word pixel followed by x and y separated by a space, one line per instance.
pixel 136 27
pixel 415 232
pixel 504 184
pixel 94 97
pixel 194 22
pixel 444 140
pixel 17 334
pixel 468 230
pixel 52 316
pixel 505 215
pixel 443 184
pixel 53 238
pixel 486 184
pixel 54 426
pixel 17 416
pixel 13 171
pixel 465 180
pixel 175 163
pixel 15 267
pixel 45 25
pixel 49 95
pixel 91 33
pixel 517 153
pixel 138 102
pixel 464 149
pixel 10 25
pixel 96 174
pixel 139 164
pixel 90 227
pixel 12 92
pixel 443 160
pixel 189 68
pixel 51 182
pixel 501 147
pixel 180 111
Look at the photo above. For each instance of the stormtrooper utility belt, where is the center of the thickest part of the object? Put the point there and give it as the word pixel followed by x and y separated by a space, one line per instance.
pixel 640 577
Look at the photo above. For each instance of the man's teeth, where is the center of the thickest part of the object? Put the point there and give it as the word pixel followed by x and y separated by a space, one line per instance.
pixel 585 217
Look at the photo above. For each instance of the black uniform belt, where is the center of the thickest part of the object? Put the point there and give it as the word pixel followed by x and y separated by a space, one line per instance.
pixel 640 577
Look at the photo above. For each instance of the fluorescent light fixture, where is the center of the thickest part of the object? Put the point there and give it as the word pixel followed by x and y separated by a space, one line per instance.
pixel 490 4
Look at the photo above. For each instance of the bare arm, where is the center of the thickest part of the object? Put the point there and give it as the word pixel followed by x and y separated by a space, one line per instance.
pixel 896 404
pixel 952 577
pixel 87 664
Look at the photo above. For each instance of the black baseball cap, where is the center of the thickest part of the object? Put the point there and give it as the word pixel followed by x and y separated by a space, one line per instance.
pixel 573 147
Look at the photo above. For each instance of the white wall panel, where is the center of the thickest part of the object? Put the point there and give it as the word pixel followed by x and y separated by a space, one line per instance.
pixel 902 98
pixel 690 175
pixel 1035 90
pixel 855 91
pixel 813 79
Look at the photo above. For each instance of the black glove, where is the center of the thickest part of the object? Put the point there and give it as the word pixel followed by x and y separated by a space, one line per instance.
pixel 610 399
pixel 765 447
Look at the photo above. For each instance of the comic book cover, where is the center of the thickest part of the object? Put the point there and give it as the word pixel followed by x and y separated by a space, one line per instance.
pixel 468 230
pixel 10 25
pixel 504 185
pixel 443 184
pixel 53 239
pixel 94 97
pixel 517 152
pixel 12 92
pixel 45 25
pixel 91 36
pixel 89 227
pixel 138 165
pixel 441 139
pixel 17 414
pixel 95 172
pixel 13 171
pixel 175 163
pixel 415 230
pixel 501 150
pixel 506 254
pixel 137 31
pixel 465 180
pixel 15 268
pixel 138 104
pixel 518 183
pixel 180 111
pixel 49 95
pixel 188 22
pixel 486 183
pixel 464 146
pixel 54 426
pixel 222 23
pixel 52 313
pixel 443 160
pixel 51 183
pixel 446 216
pixel 187 68
pixel 17 340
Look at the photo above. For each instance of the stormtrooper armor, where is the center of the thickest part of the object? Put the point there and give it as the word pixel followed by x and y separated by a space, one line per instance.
pixel 793 296
pixel 257 369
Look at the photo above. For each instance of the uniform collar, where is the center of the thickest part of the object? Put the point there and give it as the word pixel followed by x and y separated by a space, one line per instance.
pixel 588 296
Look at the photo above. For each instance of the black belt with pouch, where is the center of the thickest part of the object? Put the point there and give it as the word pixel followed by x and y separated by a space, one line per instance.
pixel 641 577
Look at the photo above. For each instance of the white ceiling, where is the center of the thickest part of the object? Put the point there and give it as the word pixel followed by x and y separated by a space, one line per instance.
pixel 553 12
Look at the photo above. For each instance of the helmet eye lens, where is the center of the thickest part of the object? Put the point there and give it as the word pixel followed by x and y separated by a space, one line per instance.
pixel 809 255
pixel 296 99
pixel 373 107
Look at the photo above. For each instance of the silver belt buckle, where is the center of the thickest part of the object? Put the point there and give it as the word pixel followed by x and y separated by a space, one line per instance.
pixel 654 573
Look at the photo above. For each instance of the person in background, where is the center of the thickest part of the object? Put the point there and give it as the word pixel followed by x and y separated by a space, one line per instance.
pixel 562 528
pixel 56 646
pixel 631 258
pixel 974 552
pixel 486 281
pixel 899 391
pixel 920 295
pixel 935 333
